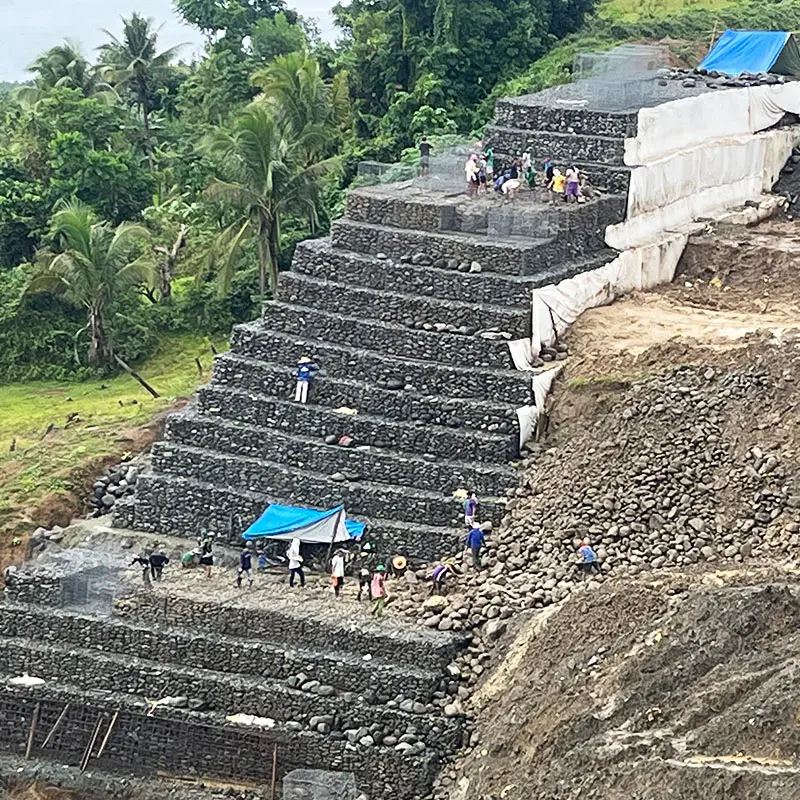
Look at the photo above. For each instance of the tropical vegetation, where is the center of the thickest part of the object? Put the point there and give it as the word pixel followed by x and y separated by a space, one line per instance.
pixel 144 196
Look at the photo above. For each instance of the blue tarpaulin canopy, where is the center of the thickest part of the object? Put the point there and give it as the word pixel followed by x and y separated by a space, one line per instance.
pixel 736 52
pixel 306 524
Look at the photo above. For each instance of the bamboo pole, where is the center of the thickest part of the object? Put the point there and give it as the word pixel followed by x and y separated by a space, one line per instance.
pixel 56 726
pixel 88 752
pixel 274 770
pixel 32 730
pixel 136 376
pixel 108 734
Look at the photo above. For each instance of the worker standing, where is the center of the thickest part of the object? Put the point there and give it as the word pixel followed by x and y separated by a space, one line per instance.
pixel 475 542
pixel 337 571
pixel 245 567
pixel 157 563
pixel 470 509
pixel 379 592
pixel 295 563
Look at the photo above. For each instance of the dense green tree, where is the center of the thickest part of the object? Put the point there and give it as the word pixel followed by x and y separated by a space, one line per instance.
pixel 133 62
pixel 294 90
pixel 230 20
pixel 94 263
pixel 24 211
pixel 65 67
pixel 265 176
pixel 442 53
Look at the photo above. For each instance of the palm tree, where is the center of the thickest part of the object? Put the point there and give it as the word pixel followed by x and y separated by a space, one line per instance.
pixel 133 62
pixel 64 67
pixel 95 263
pixel 266 174
pixel 294 89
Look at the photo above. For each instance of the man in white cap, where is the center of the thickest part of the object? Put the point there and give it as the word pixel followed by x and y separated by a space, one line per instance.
pixel 304 371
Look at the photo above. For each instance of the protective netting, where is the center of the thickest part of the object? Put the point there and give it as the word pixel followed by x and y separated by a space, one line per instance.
pixel 318 784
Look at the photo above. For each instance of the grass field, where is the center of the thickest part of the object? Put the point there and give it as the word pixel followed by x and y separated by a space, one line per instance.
pixel 93 423
pixel 634 10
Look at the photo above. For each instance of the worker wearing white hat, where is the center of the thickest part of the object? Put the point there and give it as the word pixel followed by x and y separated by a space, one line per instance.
pixel 304 371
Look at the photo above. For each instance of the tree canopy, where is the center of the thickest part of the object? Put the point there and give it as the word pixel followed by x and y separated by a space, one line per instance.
pixel 140 194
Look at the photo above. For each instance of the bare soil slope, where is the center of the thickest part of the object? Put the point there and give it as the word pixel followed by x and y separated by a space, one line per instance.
pixel 674 446
pixel 679 685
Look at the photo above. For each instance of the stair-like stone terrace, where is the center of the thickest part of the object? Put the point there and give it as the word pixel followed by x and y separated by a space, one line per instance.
pixel 326 678
pixel 407 310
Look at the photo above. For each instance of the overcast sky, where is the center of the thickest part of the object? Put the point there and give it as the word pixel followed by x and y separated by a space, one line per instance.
pixel 29 27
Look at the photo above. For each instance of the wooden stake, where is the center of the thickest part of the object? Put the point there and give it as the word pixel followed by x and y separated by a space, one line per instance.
pixel 274 770
pixel 108 734
pixel 56 726
pixel 135 375
pixel 88 752
pixel 199 366
pixel 32 730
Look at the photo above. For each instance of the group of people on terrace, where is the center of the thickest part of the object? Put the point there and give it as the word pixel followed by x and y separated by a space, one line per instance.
pixel 564 184
pixel 568 186
pixel 362 561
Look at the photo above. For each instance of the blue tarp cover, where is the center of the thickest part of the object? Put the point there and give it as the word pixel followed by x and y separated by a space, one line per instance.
pixel 285 522
pixel 745 51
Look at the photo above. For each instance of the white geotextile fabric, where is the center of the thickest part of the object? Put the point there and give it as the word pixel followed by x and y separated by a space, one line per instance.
pixel 728 113
pixel 701 182
pixel 528 416
pixel 695 157
pixel 557 306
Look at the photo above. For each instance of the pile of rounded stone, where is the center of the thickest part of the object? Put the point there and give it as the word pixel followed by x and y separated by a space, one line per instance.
pixel 691 78
pixel 117 482
pixel 692 466
pixel 424 260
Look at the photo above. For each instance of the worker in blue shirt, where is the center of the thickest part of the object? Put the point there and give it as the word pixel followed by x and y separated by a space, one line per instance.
pixel 305 370
pixel 589 562
pixel 475 540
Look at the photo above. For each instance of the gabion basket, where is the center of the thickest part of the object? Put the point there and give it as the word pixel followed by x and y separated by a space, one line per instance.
pixel 319 784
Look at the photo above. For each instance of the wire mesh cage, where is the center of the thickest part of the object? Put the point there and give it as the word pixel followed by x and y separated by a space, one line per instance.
pixel 619 79
pixel 318 784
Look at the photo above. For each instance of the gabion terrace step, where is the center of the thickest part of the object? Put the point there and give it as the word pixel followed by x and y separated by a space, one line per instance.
pixel 300 452
pixel 254 341
pixel 278 380
pixel 526 257
pixel 521 113
pixel 561 147
pixel 389 338
pixel 226 693
pixel 318 259
pixel 180 506
pixel 318 422
pixel 409 310
pixel 360 494
pixel 142 742
pixel 489 217
pixel 346 671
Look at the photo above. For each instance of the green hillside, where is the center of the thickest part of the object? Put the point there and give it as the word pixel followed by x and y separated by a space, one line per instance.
pixel 687 27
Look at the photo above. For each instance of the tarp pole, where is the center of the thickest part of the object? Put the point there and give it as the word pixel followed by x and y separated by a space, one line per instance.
pixel 337 520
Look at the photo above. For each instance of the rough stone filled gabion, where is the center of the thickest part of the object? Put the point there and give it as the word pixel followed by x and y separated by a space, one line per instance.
pixel 319 784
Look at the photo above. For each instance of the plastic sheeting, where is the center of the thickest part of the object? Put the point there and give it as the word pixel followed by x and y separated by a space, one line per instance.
pixel 306 524
pixel 557 306
pixel 736 52
pixel 529 415
pixel 702 182
pixel 673 127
